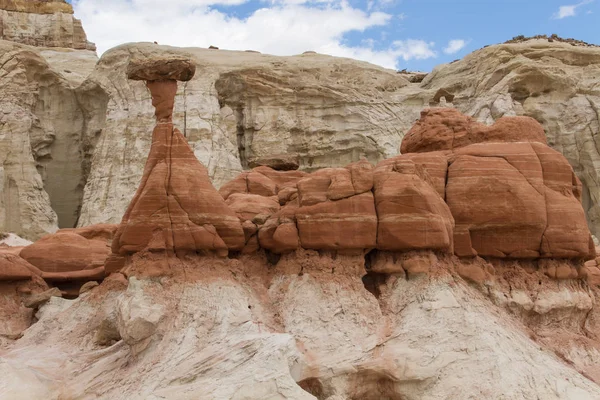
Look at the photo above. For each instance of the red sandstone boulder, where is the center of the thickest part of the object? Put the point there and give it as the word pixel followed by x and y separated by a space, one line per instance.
pixel 279 233
pixel 280 178
pixel 14 268
pixel 97 231
pixel 435 164
pixel 449 129
pixel 412 214
pixel 335 183
pixel 515 200
pixel 67 256
pixel 247 206
pixel 346 224
pixel 267 223
pixel 262 181
pixel 237 185
pixel 567 234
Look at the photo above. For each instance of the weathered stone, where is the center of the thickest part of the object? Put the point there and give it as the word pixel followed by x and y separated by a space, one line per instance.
pixel 176 208
pixel 161 69
pixel 515 200
pixel 411 213
pixel 66 253
pixel 247 206
pixel 41 147
pixel 37 299
pixel 350 223
pixel 14 268
pixel 95 232
pixel 279 162
pixel 86 287
pixel 42 23
pixel 449 129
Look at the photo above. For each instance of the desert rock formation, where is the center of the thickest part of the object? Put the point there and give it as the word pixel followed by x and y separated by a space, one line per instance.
pixel 312 111
pixel 320 112
pixel 331 317
pixel 553 82
pixel 42 23
pixel 41 120
pixel 176 208
pixel 496 191
pixel 219 124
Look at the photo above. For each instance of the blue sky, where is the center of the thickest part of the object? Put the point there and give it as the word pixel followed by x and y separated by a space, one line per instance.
pixel 412 34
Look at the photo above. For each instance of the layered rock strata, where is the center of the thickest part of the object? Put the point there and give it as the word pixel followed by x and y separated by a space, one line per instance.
pixel 250 109
pixel 42 151
pixel 496 191
pixel 176 208
pixel 365 300
pixel 43 24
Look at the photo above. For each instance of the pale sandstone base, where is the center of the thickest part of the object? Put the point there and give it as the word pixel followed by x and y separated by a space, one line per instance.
pixel 308 328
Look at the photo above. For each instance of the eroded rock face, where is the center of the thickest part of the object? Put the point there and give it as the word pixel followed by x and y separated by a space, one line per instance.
pixel 14 268
pixel 410 205
pixel 176 208
pixel 41 148
pixel 358 303
pixel 516 200
pixel 312 111
pixel 243 116
pixel 255 108
pixel 309 328
pixel 42 23
pixel 555 83
pixel 67 256
pixel 499 198
pixel 448 129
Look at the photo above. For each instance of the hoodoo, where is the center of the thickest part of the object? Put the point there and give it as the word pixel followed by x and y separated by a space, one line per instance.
pixel 176 208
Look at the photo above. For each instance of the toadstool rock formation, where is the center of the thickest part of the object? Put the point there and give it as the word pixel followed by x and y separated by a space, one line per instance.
pixel 175 208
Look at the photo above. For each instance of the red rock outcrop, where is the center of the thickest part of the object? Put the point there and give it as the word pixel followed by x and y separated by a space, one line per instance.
pixel 266 201
pixel 14 268
pixel 496 191
pixel 337 210
pixel 346 224
pixel 67 256
pixel 449 129
pixel 97 232
pixel 175 208
pixel 515 200
pixel 262 181
pixel 412 214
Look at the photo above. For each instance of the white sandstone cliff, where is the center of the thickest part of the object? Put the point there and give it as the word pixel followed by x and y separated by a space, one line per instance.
pixel 42 23
pixel 40 128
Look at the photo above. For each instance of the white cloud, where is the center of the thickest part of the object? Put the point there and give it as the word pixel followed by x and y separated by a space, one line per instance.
pixel 569 10
pixel 414 49
pixel 454 46
pixel 282 27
